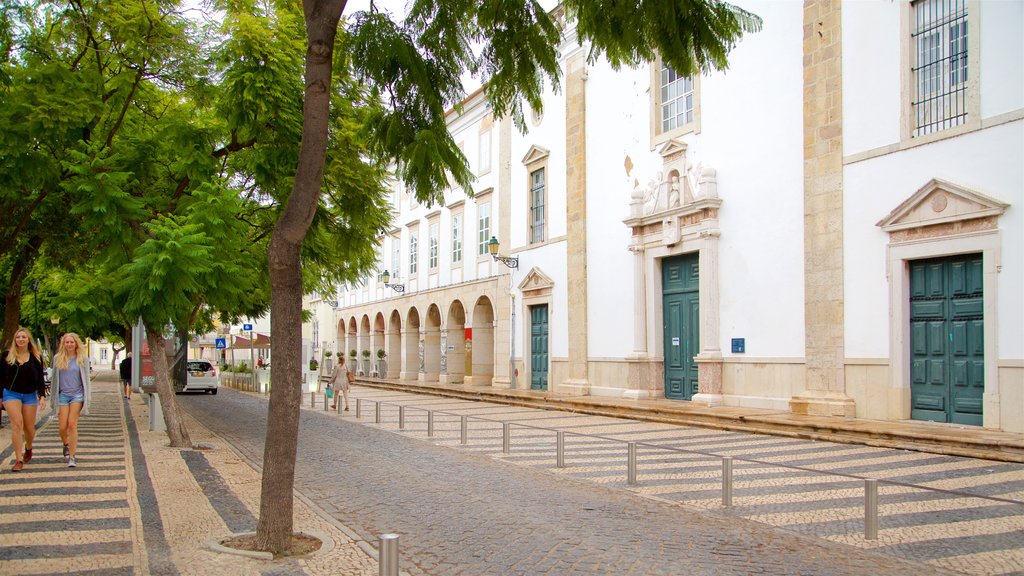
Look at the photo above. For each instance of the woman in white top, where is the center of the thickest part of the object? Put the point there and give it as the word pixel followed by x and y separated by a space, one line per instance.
pixel 71 383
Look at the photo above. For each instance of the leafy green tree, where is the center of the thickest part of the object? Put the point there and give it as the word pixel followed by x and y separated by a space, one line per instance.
pixel 414 67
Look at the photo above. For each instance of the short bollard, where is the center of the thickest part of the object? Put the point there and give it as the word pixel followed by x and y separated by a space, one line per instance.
pixel 506 438
pixel 727 481
pixel 560 449
pixel 631 463
pixel 325 402
pixel 401 417
pixel 337 405
pixel 312 399
pixel 870 509
pixel 359 408
pixel 387 555
pixel 430 423
pixel 376 411
pixel 464 430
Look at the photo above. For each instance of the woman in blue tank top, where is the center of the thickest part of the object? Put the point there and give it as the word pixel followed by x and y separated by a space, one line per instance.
pixel 71 381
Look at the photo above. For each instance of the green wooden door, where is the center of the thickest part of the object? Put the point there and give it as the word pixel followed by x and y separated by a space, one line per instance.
pixel 539 347
pixel 680 304
pixel 947 370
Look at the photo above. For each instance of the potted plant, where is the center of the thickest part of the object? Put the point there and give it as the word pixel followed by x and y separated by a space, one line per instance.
pixel 328 354
pixel 313 365
pixel 381 354
pixel 366 363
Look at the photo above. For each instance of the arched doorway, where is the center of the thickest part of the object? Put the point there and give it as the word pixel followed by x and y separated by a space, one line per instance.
pixel 431 345
pixel 479 344
pixel 412 359
pixel 393 347
pixel 377 367
pixel 453 340
pixel 363 361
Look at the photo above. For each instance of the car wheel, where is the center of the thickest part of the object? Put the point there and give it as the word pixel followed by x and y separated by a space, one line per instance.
pixel 214 391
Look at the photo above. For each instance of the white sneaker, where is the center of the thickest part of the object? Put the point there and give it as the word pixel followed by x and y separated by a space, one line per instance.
pixel 71 462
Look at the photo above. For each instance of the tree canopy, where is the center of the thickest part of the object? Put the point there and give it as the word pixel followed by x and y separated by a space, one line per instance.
pixel 149 160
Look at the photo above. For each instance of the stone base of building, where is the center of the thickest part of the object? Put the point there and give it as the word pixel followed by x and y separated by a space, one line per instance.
pixel 575 387
pixel 474 380
pixel 823 404
pixel 709 400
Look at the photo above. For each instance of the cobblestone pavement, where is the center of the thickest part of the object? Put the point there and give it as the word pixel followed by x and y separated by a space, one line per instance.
pixel 960 514
pixel 136 506
pixel 472 510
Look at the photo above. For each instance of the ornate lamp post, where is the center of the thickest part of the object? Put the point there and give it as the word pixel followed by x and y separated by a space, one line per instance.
pixel 492 247
pixel 386 279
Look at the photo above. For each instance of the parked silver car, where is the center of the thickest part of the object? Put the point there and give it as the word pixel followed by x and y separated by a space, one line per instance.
pixel 202 377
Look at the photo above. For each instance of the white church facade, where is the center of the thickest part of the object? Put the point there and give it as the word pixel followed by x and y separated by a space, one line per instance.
pixel 831 226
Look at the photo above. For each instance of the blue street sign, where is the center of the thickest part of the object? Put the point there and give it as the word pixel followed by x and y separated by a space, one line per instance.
pixel 222 343
pixel 247 327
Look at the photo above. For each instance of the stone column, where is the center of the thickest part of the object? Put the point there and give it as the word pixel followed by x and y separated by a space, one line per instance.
pixel 709 361
pixel 576 216
pixel 825 387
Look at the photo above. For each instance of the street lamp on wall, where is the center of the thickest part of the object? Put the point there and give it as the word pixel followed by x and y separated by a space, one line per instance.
pixel 492 247
pixel 385 277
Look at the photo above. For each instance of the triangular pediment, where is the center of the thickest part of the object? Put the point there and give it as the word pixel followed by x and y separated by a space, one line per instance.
pixel 940 202
pixel 671 147
pixel 535 154
pixel 535 280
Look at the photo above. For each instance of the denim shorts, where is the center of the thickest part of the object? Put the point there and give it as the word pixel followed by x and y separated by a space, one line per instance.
pixel 64 399
pixel 29 399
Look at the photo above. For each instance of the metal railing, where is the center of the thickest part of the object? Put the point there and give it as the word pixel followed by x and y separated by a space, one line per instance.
pixel 633 448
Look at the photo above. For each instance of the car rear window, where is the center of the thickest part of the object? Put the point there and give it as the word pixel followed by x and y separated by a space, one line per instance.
pixel 199 366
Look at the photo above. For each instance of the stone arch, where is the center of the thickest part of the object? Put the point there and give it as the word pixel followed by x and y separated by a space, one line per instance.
pixel 377 343
pixel 412 360
pixel 480 344
pixel 393 345
pixel 351 341
pixel 431 337
pixel 453 341
pixel 362 361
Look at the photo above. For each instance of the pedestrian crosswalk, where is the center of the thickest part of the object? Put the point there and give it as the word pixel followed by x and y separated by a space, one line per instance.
pixel 957 513
pixel 60 520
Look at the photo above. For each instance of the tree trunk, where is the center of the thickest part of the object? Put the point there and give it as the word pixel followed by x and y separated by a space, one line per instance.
pixel 12 299
pixel 274 529
pixel 176 430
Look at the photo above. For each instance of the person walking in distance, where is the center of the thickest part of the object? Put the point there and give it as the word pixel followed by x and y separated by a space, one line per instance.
pixel 21 372
pixel 125 368
pixel 72 387
pixel 341 380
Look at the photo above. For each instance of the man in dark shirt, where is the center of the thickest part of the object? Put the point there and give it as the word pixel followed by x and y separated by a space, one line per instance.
pixel 126 374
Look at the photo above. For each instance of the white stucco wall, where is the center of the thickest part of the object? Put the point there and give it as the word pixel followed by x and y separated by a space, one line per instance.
pixel 987 161
pixel 1002 57
pixel 871 75
pixel 751 132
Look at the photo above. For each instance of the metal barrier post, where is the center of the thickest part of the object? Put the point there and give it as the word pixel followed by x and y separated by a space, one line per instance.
pixel 506 438
pixel 430 423
pixel 870 509
pixel 387 555
pixel 359 407
pixel 631 463
pixel 376 412
pixel 560 449
pixel 727 481
pixel 312 399
pixel 464 432
pixel 325 402
pixel 401 417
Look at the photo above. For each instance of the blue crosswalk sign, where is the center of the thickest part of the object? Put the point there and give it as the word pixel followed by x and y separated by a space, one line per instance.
pixel 222 343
